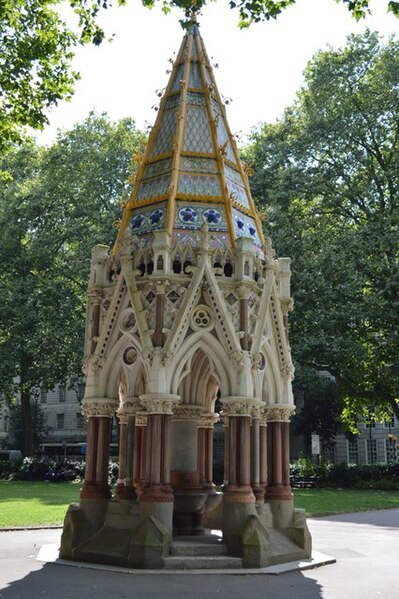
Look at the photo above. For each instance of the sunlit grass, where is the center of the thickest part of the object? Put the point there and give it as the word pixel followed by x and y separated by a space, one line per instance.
pixel 45 504
pixel 321 502
pixel 35 503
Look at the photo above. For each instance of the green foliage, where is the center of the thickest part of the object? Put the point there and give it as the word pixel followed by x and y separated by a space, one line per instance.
pixel 59 203
pixel 329 173
pixel 36 52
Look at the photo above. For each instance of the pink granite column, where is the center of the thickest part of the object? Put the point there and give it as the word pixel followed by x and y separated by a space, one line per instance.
pixel 263 454
pixel 158 456
pixel 206 423
pixel 279 483
pixel 239 478
pixel 95 485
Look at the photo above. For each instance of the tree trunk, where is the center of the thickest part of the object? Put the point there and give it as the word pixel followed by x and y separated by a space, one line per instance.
pixel 27 429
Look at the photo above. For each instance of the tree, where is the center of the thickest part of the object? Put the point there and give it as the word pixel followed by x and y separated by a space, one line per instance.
pixel 60 202
pixel 36 50
pixel 329 171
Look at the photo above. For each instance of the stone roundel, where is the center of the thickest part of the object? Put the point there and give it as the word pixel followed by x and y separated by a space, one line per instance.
pixel 202 319
pixel 127 321
pixel 130 356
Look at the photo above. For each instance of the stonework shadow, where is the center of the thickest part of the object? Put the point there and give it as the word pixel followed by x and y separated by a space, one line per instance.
pixel 65 582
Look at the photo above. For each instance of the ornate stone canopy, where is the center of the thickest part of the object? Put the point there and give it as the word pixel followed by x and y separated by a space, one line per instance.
pixel 190 306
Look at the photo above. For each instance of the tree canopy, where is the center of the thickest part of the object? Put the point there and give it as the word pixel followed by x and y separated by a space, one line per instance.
pixel 61 201
pixel 329 173
pixel 37 47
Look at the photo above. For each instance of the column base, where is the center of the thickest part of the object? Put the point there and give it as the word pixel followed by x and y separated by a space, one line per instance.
pixel 259 492
pixel 157 494
pixel 95 491
pixel 242 494
pixel 125 493
pixel 279 492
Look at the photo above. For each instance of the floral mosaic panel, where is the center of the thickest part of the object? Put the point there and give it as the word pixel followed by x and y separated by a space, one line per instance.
pixel 178 78
pixel 237 193
pixel 197 136
pixel 148 219
pixel 195 76
pixel 194 164
pixel 192 216
pixel 199 185
pixel 223 138
pixel 157 168
pixel 196 99
pixel 245 227
pixel 153 188
pixel 164 140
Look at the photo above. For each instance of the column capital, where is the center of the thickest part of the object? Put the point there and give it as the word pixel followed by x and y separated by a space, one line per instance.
pixel 159 403
pixel 208 419
pixel 99 407
pixel 241 406
pixel 279 413
pixel 187 413
pixel 141 419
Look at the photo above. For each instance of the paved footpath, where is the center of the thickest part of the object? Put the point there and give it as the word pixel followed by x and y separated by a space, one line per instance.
pixel 366 546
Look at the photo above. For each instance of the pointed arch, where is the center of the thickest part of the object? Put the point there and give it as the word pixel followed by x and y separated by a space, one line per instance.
pixel 215 353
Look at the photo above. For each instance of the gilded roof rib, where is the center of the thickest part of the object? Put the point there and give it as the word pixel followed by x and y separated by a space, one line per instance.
pixel 191 169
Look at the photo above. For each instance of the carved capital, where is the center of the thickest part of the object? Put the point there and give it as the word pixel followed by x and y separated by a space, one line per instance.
pixel 159 403
pixel 95 297
pixel 141 419
pixel 241 406
pixel 99 407
pixel 279 413
pixel 188 413
pixel 208 419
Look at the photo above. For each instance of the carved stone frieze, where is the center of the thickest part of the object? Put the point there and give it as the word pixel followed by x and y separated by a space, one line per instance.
pixel 159 403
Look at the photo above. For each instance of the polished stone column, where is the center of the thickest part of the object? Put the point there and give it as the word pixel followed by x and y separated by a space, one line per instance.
pixel 257 489
pixel 226 449
pixel 99 413
pixel 279 487
pixel 239 411
pixel 159 407
pixel 139 452
pixel 263 452
pixel 206 422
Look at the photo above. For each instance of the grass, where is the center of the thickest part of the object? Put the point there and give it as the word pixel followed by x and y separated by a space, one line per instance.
pixel 35 503
pixel 322 502
pixel 38 503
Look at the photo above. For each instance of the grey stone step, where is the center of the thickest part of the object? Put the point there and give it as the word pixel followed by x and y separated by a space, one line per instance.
pixel 202 562
pixel 181 548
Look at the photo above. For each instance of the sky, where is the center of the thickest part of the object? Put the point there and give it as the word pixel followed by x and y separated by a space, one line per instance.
pixel 260 68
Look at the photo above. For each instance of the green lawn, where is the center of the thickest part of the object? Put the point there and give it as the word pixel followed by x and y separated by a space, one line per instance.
pixel 37 503
pixel 321 502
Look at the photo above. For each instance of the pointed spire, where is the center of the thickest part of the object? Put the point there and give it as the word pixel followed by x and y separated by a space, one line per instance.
pixel 191 171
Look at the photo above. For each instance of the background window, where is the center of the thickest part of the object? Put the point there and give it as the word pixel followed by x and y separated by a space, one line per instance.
pixel 62 393
pixel 43 396
pixel 353 452
pixel 80 421
pixel 60 421
pixel 391 449
pixel 371 451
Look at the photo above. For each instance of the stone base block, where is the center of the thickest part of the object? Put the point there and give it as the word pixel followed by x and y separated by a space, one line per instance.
pixel 235 517
pixel 81 521
pixel 150 545
pixel 162 512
